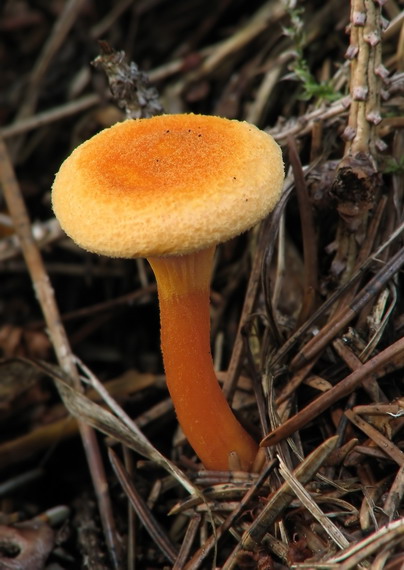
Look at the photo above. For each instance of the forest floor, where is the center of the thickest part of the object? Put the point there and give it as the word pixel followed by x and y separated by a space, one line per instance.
pixel 307 311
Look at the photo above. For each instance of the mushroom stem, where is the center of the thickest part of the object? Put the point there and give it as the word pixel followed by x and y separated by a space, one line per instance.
pixel 203 412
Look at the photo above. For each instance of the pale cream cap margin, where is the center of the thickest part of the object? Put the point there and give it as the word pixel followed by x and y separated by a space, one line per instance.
pixel 121 193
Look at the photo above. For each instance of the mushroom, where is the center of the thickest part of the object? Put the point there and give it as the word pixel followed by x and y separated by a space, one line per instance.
pixel 170 188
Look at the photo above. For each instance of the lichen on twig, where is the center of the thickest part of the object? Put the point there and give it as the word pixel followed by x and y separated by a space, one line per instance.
pixel 130 87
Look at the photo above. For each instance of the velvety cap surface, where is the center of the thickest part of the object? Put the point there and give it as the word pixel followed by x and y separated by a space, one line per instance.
pixel 167 185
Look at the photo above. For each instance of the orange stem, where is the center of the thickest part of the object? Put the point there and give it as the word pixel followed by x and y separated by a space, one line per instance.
pixel 202 410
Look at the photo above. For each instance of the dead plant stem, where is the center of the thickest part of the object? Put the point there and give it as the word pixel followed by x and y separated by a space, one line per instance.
pixel 45 295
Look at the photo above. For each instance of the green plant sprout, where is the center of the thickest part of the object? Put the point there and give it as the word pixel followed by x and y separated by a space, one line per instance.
pixel 311 88
pixel 394 165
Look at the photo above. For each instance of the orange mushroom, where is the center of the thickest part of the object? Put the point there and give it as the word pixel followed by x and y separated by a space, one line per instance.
pixel 170 188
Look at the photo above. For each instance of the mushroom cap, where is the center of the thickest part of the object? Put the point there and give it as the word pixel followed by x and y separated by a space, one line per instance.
pixel 169 185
